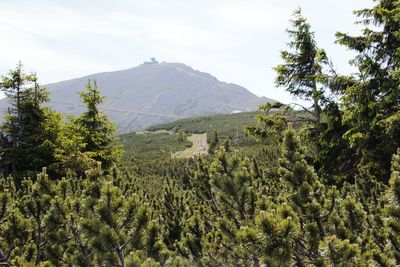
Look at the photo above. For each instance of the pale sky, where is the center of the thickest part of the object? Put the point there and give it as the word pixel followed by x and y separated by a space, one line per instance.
pixel 235 41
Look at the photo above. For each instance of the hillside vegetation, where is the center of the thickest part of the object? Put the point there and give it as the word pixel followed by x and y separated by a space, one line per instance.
pixel 151 145
pixel 226 124
pixel 320 187
pixel 230 126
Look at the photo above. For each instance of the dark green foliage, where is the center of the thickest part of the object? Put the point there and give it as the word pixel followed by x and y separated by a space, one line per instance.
pixel 96 131
pixel 30 131
pixel 173 214
pixel 371 103
pixel 334 148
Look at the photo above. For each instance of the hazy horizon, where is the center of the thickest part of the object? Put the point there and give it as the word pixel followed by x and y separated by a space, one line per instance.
pixel 235 41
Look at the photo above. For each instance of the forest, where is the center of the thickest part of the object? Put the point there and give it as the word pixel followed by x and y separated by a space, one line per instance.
pixel 284 186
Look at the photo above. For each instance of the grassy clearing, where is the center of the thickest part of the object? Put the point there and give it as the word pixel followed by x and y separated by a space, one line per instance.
pixel 151 145
pixel 199 147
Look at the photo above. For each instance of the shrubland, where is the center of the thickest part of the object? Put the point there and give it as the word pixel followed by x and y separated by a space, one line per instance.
pixel 320 188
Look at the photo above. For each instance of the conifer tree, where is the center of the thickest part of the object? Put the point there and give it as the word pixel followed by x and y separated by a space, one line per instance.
pixel 335 148
pixel 14 230
pixel 193 241
pixel 96 131
pixel 72 158
pixel 232 178
pixel 270 240
pixel 234 203
pixel 119 224
pixel 173 213
pixel 31 130
pixel 313 202
pixel 214 141
pixel 226 145
pixel 154 246
pixel 92 222
pixel 371 104
pixel 302 73
pixel 35 204
pixel 393 209
pixel 270 208
pixel 68 221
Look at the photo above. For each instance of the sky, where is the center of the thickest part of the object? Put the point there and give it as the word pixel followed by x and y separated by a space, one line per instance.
pixel 237 41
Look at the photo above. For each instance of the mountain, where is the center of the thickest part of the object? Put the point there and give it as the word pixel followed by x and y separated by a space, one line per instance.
pixel 154 93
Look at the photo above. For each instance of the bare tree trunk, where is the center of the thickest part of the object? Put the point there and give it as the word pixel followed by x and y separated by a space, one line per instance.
pixel 317 113
pixel 316 106
pixel 121 257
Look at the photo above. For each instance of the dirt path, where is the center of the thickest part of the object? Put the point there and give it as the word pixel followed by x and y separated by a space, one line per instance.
pixel 199 147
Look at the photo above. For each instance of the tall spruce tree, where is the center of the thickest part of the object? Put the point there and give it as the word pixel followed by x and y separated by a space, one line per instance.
pixel 302 73
pixel 371 104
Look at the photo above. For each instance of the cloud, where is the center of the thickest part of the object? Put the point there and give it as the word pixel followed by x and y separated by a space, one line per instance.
pixel 59 23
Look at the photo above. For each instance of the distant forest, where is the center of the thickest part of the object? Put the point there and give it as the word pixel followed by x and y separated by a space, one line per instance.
pixel 285 186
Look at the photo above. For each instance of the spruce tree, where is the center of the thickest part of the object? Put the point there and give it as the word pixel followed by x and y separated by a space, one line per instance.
pixel 31 131
pixel 96 131
pixel 302 73
pixel 371 105
pixel 335 148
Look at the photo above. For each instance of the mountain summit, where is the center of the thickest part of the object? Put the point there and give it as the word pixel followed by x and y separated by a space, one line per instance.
pixel 154 93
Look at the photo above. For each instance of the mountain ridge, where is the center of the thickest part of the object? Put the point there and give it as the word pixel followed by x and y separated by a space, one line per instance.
pixel 153 93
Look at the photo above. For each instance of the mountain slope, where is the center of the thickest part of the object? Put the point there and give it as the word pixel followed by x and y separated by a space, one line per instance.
pixel 154 93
